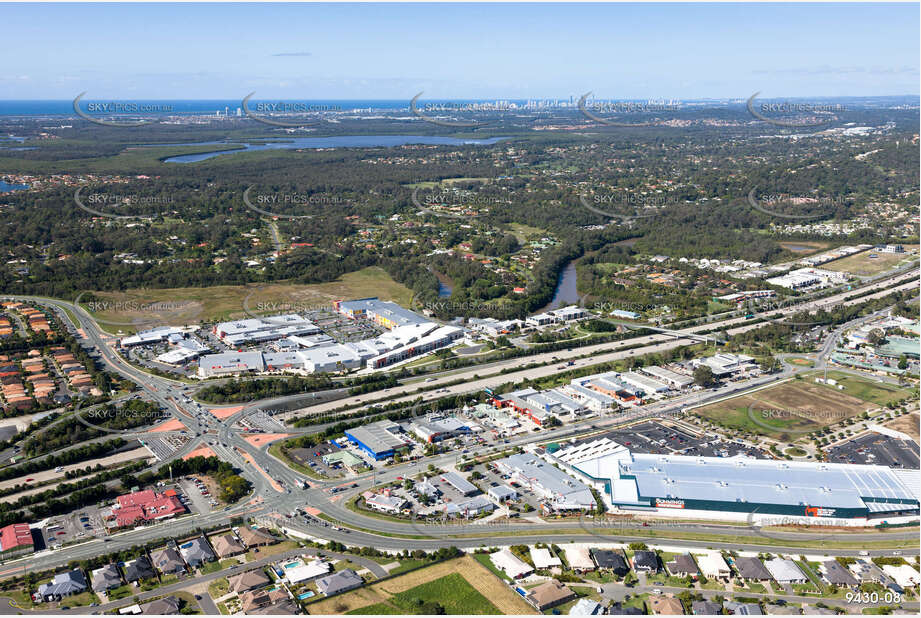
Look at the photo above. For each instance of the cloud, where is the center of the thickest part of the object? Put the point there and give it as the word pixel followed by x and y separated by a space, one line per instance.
pixel 292 55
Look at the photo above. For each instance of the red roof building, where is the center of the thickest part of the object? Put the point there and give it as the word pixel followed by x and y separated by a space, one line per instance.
pixel 145 506
pixel 16 538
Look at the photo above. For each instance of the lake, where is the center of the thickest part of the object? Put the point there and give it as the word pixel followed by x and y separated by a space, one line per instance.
pixel 6 187
pixel 341 141
pixel 565 293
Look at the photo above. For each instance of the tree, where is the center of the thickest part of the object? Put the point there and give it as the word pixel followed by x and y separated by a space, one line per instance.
pixel 903 362
pixel 703 376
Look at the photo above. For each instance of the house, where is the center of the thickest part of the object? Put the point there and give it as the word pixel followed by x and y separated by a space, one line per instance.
pixel 300 572
pixel 255 538
pixel 743 609
pixel 549 594
pixel 665 606
pixel 579 558
pixel 105 578
pixel 645 561
pixel 752 570
pixel 586 607
pixel 683 566
pixel 836 575
pixel 706 608
pixel 63 585
pixel 785 571
pixel 252 600
pixel 343 581
pixel 227 545
pixel 510 564
pixel 712 566
pixel 610 560
pixel 903 574
pixel 138 569
pixel 866 572
pixel 167 560
pixel 196 552
pixel 282 608
pixel 249 580
pixel 543 559
pixel 166 606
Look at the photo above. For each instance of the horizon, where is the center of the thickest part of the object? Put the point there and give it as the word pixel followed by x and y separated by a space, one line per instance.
pixel 618 51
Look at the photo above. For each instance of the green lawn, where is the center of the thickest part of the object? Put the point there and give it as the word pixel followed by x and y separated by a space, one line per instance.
pixel 867 390
pixel 218 588
pixel 451 591
pixel 119 593
pixel 407 565
pixel 211 567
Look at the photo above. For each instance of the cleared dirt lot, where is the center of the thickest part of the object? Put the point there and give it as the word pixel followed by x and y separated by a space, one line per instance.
pixel 907 424
pixel 500 595
pixel 789 410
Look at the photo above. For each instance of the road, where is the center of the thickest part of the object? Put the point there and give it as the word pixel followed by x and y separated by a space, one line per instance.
pixel 265 473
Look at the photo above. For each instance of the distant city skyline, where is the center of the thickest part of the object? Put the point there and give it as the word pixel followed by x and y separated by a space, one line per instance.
pixel 458 51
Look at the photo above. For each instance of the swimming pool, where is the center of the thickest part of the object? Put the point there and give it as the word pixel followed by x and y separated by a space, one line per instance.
pixel 291 565
pixel 521 591
pixel 306 595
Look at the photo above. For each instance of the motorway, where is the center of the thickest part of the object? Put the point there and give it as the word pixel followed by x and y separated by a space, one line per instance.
pixel 265 472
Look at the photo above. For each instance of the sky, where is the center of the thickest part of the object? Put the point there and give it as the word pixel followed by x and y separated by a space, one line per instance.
pixel 457 51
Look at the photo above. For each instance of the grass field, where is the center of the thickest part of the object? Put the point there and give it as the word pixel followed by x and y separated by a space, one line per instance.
pixel 864 266
pixel 786 411
pixel 461 586
pixel 179 306
pixel 802 246
pixel 864 389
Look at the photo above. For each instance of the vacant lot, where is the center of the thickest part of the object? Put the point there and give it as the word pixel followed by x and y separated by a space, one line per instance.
pixel 865 389
pixel 179 306
pixel 907 424
pixel 802 246
pixel 863 265
pixel 786 411
pixel 461 586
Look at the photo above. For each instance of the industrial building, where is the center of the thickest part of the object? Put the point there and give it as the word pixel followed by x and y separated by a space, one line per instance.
pixel 726 487
pixel 459 483
pixel 147 337
pixel 255 330
pixel 437 428
pixel 558 490
pixel 384 313
pixel 380 440
pixel 16 540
